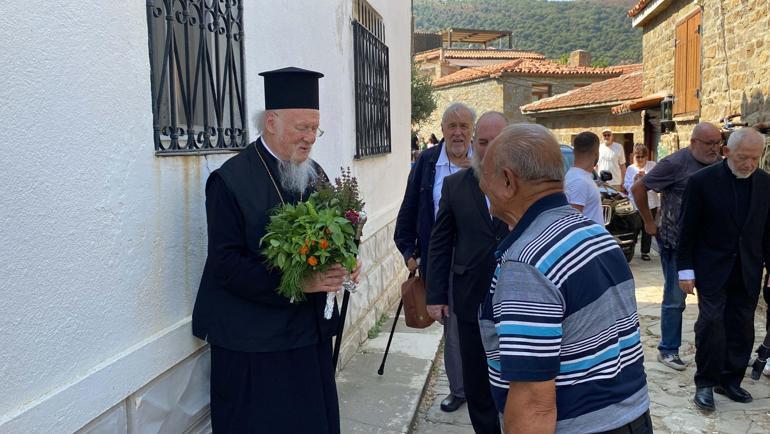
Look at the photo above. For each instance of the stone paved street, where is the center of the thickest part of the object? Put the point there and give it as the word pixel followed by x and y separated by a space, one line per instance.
pixel 670 391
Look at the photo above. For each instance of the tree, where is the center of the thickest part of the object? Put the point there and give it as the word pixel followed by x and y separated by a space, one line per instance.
pixel 423 99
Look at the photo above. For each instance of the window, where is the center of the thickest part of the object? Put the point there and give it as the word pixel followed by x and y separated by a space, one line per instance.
pixel 372 81
pixel 196 70
pixel 687 65
pixel 540 91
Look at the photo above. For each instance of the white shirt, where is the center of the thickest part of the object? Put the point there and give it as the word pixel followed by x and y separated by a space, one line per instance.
pixel 653 199
pixel 610 159
pixel 444 168
pixel 580 188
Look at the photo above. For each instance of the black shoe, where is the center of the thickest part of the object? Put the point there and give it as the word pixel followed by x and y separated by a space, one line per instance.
pixel 451 403
pixel 736 393
pixel 704 398
pixel 645 257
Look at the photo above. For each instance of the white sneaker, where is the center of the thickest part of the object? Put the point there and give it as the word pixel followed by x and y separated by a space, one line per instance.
pixel 672 361
pixel 766 371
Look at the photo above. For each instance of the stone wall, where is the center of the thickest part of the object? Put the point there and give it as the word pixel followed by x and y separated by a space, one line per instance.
pixel 518 92
pixel 482 96
pixel 658 46
pixel 506 95
pixel 735 64
pixel 565 125
pixel 658 58
pixel 736 61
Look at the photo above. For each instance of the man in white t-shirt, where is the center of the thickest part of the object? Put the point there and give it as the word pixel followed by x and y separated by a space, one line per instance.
pixel 579 186
pixel 612 158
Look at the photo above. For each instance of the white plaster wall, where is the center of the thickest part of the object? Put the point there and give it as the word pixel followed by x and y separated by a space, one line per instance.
pixel 318 35
pixel 101 243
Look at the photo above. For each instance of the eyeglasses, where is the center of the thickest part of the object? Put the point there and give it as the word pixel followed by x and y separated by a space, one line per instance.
pixel 709 142
pixel 606 134
pixel 305 129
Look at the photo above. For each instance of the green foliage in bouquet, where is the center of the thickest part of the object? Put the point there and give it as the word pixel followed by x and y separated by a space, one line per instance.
pixel 343 194
pixel 313 235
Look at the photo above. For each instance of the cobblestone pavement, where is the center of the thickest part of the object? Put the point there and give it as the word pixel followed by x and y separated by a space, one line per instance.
pixel 670 391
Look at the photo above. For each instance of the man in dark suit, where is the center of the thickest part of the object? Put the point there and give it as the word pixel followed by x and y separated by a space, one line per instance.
pixel 271 358
pixel 724 241
pixel 461 245
pixel 418 213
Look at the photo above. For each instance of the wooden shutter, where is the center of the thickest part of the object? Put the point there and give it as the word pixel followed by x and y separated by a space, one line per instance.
pixel 687 65
pixel 680 68
pixel 693 63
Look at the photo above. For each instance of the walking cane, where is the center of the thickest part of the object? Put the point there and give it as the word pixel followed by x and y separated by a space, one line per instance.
pixel 346 297
pixel 338 340
pixel 392 330
pixel 763 352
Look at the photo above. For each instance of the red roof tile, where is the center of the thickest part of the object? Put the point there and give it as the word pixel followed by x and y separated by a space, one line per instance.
pixel 537 67
pixel 638 8
pixel 615 90
pixel 480 53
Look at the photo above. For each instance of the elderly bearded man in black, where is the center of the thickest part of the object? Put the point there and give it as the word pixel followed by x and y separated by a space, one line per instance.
pixel 723 242
pixel 271 359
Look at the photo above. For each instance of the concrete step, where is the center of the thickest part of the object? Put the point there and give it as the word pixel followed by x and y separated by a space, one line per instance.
pixel 370 403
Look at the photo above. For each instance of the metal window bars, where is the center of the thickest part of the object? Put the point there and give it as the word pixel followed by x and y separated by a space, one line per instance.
pixel 196 67
pixel 372 84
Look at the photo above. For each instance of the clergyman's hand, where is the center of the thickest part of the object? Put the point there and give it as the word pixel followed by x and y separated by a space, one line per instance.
pixel 438 312
pixel 411 264
pixel 687 286
pixel 651 228
pixel 355 276
pixel 326 281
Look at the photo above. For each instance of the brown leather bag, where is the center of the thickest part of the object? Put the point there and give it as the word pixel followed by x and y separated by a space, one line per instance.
pixel 413 294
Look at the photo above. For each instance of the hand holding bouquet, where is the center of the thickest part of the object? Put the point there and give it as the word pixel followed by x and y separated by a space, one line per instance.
pixel 315 235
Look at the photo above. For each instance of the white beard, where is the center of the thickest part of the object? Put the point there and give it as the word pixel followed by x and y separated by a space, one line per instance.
pixel 737 174
pixel 296 177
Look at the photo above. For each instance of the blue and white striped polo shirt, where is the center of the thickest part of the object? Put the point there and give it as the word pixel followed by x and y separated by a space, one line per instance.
pixel 562 307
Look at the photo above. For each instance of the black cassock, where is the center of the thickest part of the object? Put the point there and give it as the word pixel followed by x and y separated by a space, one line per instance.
pixel 271 369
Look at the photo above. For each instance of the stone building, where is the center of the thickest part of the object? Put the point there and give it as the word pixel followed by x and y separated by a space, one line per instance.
pixel 711 56
pixel 507 86
pixel 589 108
pixel 106 160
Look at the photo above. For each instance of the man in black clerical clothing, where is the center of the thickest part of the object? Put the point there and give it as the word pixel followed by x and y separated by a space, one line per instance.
pixel 462 243
pixel 271 359
pixel 724 240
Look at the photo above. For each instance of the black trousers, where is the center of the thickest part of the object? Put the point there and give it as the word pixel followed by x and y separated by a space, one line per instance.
pixel 724 332
pixel 647 238
pixel 478 392
pixel 290 391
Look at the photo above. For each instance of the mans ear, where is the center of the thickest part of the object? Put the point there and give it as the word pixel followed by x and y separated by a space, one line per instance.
pixel 270 123
pixel 510 181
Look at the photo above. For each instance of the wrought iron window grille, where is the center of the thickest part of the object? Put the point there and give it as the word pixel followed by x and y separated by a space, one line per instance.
pixel 196 74
pixel 372 84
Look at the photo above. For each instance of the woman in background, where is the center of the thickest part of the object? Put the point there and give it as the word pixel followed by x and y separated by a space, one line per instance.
pixel 642 165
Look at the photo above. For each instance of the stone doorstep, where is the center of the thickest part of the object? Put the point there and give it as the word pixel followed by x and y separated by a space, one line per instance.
pixel 388 403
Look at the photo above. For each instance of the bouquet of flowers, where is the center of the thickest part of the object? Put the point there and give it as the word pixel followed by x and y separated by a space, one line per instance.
pixel 315 234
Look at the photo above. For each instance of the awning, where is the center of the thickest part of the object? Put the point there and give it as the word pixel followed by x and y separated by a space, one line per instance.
pixel 644 102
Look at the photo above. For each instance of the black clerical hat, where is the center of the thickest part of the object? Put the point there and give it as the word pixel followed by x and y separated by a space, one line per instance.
pixel 291 88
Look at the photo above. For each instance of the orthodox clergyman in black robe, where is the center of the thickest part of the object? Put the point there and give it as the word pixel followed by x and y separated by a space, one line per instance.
pixel 271 358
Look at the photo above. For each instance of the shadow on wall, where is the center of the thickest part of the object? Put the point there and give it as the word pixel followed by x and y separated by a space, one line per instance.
pixel 755 108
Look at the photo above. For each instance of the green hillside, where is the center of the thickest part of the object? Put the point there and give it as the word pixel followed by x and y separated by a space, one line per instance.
pixel 553 28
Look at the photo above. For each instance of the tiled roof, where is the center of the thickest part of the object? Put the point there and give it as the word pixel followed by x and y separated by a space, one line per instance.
pixel 452 53
pixel 535 67
pixel 638 104
pixel 615 90
pixel 638 8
